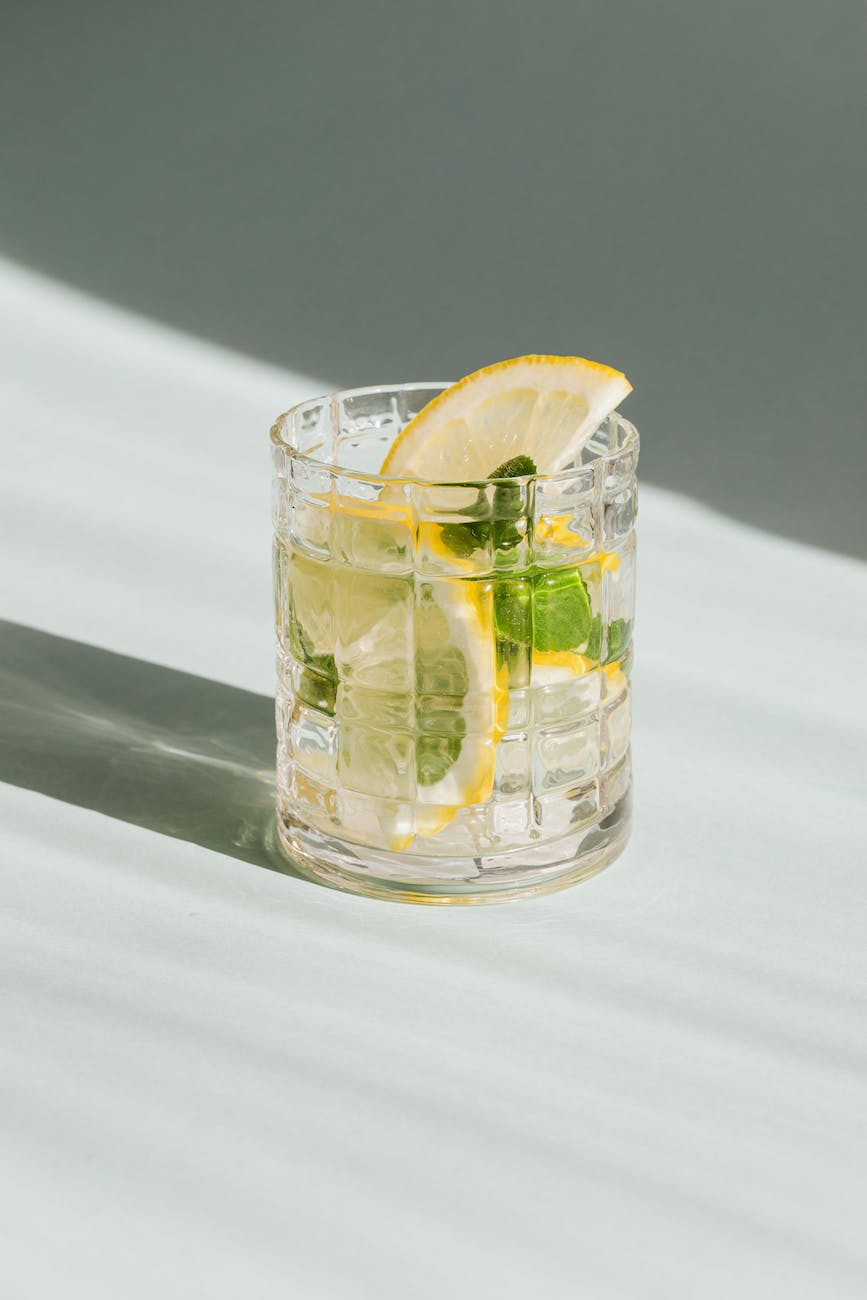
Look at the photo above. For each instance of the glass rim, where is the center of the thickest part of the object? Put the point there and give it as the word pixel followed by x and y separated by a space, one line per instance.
pixel 284 422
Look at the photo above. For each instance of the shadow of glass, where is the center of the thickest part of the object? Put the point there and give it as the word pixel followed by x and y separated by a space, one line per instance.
pixel 166 750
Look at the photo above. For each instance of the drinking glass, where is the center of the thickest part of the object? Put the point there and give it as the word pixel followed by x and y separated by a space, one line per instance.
pixel 453 696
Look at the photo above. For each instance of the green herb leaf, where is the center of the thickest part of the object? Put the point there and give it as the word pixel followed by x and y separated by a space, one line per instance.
pixel 562 614
pixel 317 685
pixel 517 467
pixel 463 539
pixel 513 609
pixel 619 633
pixel 508 502
pixel 593 648
pixel 436 755
pixel 513 624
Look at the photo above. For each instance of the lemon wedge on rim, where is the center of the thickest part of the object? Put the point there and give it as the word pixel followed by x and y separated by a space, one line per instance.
pixel 539 406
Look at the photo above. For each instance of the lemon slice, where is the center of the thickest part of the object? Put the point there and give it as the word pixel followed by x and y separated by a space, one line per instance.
pixel 458 733
pixel 421 703
pixel 538 406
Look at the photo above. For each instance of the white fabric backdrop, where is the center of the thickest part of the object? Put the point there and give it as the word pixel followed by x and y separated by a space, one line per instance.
pixel 219 1080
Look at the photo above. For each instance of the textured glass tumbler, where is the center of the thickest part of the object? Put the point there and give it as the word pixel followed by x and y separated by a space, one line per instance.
pixel 453 698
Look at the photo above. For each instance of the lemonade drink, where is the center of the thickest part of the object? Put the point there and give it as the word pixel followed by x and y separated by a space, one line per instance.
pixel 453 696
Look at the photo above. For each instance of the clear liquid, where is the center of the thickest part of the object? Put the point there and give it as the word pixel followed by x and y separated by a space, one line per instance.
pixel 368 730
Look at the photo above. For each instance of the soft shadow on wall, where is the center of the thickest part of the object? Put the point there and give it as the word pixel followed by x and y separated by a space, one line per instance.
pixel 376 192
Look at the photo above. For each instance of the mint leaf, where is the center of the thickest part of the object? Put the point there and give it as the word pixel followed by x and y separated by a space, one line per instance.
pixel 463 539
pixel 517 467
pixel 436 755
pixel 302 647
pixel 317 685
pixel 619 633
pixel 513 609
pixel 513 623
pixel 593 648
pixel 550 610
pixel 508 503
pixel 562 615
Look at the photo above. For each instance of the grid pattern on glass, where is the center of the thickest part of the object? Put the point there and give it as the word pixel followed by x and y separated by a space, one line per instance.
pixel 452 674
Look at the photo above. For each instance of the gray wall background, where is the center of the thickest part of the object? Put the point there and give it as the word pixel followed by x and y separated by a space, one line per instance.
pixel 386 191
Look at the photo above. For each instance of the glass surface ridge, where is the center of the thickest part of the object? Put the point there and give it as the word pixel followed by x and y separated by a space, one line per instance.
pixel 454 658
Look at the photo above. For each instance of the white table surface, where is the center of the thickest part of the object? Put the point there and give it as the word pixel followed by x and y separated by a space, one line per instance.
pixel 222 1081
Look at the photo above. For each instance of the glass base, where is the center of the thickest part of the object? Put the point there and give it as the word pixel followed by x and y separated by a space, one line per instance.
pixel 405 877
